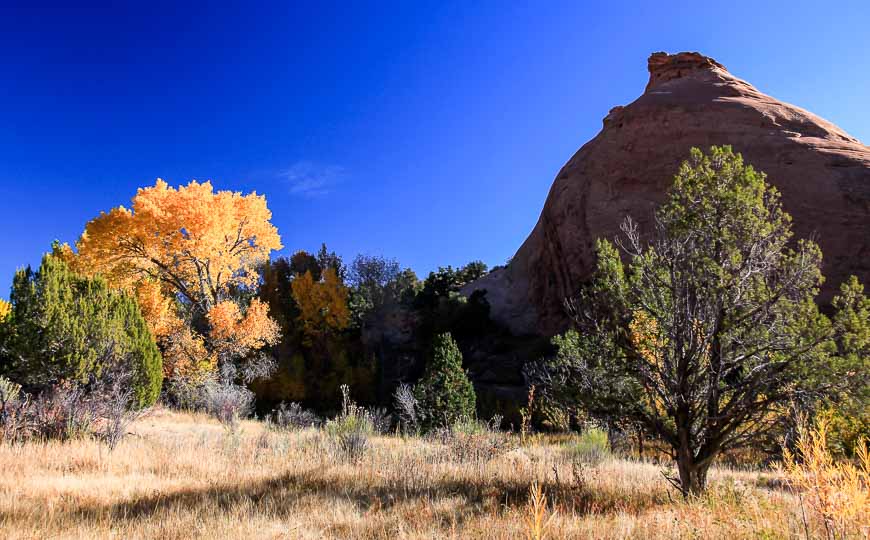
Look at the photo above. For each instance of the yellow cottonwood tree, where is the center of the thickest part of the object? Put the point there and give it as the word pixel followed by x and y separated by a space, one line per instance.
pixel 322 304
pixel 5 308
pixel 190 255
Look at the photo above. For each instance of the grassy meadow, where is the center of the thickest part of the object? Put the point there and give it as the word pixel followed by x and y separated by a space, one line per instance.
pixel 184 475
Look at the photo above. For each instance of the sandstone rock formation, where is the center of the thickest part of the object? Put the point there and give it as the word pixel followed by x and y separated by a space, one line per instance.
pixel 691 100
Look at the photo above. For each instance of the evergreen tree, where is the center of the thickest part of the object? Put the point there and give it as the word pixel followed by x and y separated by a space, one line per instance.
pixel 444 394
pixel 63 326
pixel 710 333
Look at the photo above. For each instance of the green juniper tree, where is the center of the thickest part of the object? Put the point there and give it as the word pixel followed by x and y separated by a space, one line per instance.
pixel 63 326
pixel 849 405
pixel 444 393
pixel 711 331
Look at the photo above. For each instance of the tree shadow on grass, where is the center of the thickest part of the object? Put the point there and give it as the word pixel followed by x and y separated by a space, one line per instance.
pixel 281 494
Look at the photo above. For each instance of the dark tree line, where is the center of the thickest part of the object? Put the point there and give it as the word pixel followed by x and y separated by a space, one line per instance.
pixel 382 321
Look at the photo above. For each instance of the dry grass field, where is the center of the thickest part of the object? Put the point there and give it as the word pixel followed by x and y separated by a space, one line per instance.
pixel 185 476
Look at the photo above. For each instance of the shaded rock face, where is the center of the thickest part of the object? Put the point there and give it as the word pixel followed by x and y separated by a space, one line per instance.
pixel 691 100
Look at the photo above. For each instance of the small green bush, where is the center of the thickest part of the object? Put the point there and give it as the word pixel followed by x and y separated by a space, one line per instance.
pixel 592 446
pixel 445 394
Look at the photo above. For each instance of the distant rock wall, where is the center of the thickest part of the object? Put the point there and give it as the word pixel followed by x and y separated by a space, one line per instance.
pixel 690 100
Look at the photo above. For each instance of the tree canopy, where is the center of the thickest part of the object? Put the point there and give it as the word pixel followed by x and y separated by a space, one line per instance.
pixel 191 256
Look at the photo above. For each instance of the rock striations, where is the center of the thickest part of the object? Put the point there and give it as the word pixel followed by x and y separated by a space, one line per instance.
pixel 690 100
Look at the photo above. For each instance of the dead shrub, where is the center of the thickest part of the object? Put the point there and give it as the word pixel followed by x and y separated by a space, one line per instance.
pixel 227 402
pixel 405 404
pixel 470 440
pixel 103 408
pixel 114 398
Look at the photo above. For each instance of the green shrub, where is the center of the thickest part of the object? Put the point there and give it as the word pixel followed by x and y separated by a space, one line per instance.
pixel 444 394
pixel 591 446
pixel 64 326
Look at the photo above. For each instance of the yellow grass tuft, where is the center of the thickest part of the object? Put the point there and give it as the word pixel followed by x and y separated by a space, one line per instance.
pixel 538 521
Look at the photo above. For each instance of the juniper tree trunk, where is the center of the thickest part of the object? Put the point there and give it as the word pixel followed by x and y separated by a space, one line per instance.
pixel 693 473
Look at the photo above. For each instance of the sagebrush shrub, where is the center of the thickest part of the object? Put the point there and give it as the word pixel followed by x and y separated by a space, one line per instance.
pixel 349 432
pixel 223 400
pixel 227 402
pixel 182 393
pixel 64 412
pixel 13 412
pixel 104 408
pixel 471 440
pixel 289 416
pixel 381 419
pixel 9 390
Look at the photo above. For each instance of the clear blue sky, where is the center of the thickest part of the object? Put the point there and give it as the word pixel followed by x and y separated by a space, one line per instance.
pixel 429 132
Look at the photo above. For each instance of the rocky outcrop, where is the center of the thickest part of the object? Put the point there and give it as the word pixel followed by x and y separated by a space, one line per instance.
pixel 690 100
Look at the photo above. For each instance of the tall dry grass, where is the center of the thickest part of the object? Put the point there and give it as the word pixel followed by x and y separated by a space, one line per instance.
pixel 185 476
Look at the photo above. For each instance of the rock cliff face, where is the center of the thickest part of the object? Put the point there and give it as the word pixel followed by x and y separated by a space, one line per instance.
pixel 690 100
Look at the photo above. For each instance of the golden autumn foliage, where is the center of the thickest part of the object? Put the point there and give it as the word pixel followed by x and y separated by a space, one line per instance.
pixel 188 354
pixel 5 308
pixel 158 307
pixel 322 304
pixel 645 336
pixel 652 345
pixel 234 333
pixel 198 242
pixel 185 252
pixel 838 492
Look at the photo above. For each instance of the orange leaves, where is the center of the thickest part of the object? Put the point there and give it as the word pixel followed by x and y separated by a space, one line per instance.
pixel 322 304
pixel 228 231
pixel 157 308
pixel 224 318
pixel 187 253
pixel 257 329
pixel 199 241
pixel 236 334
pixel 186 355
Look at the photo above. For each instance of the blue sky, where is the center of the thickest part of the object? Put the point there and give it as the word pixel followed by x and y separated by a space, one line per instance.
pixel 429 132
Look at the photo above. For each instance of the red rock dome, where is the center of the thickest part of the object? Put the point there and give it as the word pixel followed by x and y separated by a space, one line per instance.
pixel 690 100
